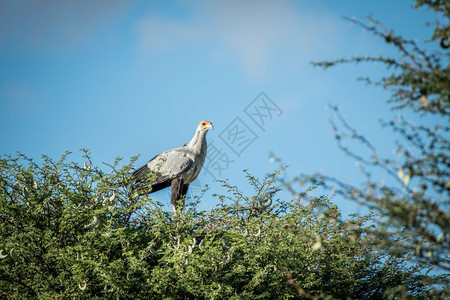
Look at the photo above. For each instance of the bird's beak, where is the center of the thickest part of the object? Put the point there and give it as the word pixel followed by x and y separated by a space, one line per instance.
pixel 208 125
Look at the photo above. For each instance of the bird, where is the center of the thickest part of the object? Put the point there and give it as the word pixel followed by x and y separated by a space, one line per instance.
pixel 175 167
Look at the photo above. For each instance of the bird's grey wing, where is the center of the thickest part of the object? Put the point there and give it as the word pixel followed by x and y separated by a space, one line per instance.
pixel 142 172
pixel 167 166
pixel 170 164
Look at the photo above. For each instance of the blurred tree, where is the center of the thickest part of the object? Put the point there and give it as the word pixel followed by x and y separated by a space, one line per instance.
pixel 412 199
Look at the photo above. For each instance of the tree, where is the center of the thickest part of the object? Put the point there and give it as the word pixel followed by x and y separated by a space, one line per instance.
pixel 70 230
pixel 413 203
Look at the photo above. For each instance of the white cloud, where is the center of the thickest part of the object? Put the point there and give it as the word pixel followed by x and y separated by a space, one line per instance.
pixel 52 24
pixel 253 32
pixel 161 33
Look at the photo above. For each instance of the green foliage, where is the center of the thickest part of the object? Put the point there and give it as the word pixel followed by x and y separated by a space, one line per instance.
pixel 70 230
pixel 412 195
pixel 420 77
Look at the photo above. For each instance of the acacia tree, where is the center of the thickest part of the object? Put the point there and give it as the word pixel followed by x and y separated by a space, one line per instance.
pixel 73 230
pixel 412 199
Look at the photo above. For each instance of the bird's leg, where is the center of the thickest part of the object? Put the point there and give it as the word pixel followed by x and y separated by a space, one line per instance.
pixel 179 189
pixel 184 190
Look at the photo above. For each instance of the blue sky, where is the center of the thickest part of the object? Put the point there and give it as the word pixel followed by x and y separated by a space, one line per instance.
pixel 135 77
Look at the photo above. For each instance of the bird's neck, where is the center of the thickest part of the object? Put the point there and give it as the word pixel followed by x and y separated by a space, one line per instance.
pixel 198 142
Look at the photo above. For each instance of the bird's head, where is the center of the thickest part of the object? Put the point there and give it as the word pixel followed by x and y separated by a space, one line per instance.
pixel 205 125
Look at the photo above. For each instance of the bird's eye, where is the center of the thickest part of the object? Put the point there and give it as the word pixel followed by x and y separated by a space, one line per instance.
pixel 203 123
